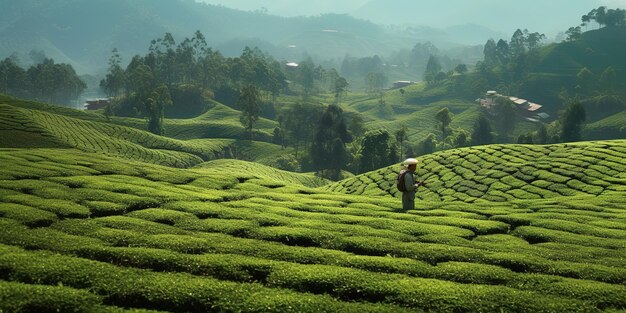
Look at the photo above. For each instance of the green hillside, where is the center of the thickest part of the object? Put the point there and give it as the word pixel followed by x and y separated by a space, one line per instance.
pixel 596 50
pixel 416 110
pixel 87 232
pixel 219 121
pixel 507 173
pixel 613 126
pixel 21 128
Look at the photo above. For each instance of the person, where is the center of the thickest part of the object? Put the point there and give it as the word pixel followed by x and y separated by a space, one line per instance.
pixel 410 184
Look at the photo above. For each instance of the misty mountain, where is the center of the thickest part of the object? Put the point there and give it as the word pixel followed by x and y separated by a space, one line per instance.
pixel 83 32
pixel 505 16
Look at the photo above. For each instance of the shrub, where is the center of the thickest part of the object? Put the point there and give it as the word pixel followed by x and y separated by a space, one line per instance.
pixel 27 215
pixel 18 297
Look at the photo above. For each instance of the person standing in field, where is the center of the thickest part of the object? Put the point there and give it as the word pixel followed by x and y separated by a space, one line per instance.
pixel 407 184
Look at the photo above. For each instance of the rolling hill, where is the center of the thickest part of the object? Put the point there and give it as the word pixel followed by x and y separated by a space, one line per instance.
pixel 93 221
pixel 503 173
pixel 22 127
pixel 87 232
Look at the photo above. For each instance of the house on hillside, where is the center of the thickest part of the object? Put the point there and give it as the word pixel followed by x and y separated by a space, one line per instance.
pixel 96 104
pixel 402 84
pixel 527 110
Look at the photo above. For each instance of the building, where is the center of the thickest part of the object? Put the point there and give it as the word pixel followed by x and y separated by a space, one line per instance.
pixel 524 108
pixel 96 104
pixel 402 84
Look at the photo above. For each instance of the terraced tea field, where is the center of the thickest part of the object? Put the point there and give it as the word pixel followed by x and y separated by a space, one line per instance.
pixel 507 173
pixel 86 232
pixel 34 128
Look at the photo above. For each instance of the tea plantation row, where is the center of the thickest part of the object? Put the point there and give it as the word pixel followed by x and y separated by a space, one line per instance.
pixel 82 231
pixel 506 173
pixel 25 128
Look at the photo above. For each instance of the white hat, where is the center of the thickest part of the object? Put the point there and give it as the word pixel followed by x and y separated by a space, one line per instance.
pixel 410 161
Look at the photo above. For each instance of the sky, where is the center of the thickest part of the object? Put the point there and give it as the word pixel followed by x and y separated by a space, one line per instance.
pixel 546 16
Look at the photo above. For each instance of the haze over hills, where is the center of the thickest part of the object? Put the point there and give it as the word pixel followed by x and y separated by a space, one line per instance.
pixel 83 32
pixel 504 16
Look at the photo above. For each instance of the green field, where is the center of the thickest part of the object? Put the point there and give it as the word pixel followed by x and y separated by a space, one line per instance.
pixel 31 125
pixel 87 232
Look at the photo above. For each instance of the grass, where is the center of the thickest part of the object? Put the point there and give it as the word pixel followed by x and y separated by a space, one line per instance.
pixel 90 232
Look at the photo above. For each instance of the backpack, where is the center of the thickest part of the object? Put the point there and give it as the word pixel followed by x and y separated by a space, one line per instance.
pixel 400 181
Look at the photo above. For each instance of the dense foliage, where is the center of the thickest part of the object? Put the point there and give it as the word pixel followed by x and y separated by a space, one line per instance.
pixel 45 81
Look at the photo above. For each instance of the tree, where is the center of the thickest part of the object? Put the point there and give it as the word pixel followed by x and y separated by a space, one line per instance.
pixel 461 68
pixel 572 121
pixel 518 44
pixel 340 88
pixel 13 78
pixel 504 117
pixel 503 52
pixel 299 122
pixel 113 83
pixel 443 118
pixel 328 150
pixel 306 77
pixel 250 108
pixel 573 33
pixel 139 78
pixel 533 40
pixel 374 151
pixel 482 132
pixel 401 136
pixel 433 67
pixel 356 125
pixel 604 17
pixel 55 83
pixel 490 53
pixel 155 104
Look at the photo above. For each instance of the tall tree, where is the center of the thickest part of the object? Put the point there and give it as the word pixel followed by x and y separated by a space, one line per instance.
pixel 306 77
pixel 443 118
pixel 300 121
pixel 374 151
pixel 250 108
pixel 504 117
pixel 341 84
pixel 491 53
pixel 329 150
pixel 482 134
pixel 401 136
pixel 155 104
pixel 503 52
pixel 433 67
pixel 518 43
pixel 113 83
pixel 572 121
pixel 13 78
pixel 55 83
